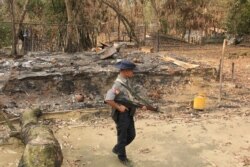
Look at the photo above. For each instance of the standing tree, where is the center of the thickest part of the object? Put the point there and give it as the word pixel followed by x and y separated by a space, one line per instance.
pixel 127 24
pixel 14 36
pixel 239 17
pixel 72 38
pixel 84 20
pixel 16 30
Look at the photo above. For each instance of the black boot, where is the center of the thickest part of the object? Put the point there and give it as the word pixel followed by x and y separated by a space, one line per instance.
pixel 114 150
pixel 125 161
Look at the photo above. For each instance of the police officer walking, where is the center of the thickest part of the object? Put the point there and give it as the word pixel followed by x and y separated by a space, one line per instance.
pixel 122 115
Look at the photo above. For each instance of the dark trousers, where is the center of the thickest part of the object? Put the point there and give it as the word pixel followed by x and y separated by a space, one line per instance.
pixel 125 133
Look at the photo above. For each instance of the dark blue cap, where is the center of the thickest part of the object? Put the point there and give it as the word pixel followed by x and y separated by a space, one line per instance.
pixel 125 65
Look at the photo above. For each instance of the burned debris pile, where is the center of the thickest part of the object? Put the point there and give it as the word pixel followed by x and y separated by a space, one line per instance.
pixel 54 80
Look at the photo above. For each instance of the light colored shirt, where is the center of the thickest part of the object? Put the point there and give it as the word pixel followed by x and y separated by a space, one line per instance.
pixel 118 90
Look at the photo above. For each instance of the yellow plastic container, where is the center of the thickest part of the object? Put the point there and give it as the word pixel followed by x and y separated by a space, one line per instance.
pixel 200 102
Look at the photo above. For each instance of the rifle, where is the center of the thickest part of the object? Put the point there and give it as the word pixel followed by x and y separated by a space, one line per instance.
pixel 137 105
pixel 132 104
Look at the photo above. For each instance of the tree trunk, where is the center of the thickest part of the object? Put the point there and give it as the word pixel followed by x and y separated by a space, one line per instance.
pixel 14 37
pixel 119 24
pixel 22 16
pixel 41 147
pixel 189 34
pixel 183 33
pixel 15 31
pixel 145 24
pixel 72 31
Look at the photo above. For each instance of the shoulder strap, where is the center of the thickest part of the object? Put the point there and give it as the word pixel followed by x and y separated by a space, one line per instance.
pixel 127 88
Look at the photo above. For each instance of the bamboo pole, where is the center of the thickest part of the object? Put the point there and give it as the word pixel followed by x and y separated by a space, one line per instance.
pixel 221 68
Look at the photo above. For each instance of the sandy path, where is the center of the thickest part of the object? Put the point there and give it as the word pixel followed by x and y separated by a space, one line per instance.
pixel 213 142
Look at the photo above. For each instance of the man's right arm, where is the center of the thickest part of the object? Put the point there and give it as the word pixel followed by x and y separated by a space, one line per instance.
pixel 109 99
pixel 117 106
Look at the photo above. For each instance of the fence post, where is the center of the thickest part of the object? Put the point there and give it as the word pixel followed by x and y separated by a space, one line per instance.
pixel 221 68
pixel 232 71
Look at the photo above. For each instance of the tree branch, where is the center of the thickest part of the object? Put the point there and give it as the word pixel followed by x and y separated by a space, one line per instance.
pixel 124 20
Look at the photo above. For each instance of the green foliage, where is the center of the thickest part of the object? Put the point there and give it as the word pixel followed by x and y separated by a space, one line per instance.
pixel 238 21
pixel 148 12
pixel 55 11
pixel 5 35
pixel 164 26
pixel 35 8
pixel 179 16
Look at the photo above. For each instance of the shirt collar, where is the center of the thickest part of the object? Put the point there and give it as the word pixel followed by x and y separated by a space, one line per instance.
pixel 124 80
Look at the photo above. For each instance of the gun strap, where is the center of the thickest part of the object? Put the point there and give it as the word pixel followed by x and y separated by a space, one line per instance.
pixel 124 85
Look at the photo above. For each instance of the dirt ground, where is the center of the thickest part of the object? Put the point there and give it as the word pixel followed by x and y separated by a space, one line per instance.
pixel 214 140
pixel 192 140
pixel 216 137
pixel 210 54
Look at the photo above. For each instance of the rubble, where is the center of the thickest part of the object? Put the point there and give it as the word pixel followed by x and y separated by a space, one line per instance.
pixel 51 80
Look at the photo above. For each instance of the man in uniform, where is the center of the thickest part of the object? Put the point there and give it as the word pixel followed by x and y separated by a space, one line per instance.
pixel 124 116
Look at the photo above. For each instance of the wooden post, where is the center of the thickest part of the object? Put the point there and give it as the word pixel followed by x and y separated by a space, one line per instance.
pixel 232 71
pixel 218 74
pixel 221 67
